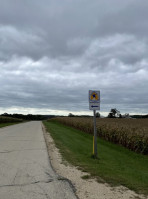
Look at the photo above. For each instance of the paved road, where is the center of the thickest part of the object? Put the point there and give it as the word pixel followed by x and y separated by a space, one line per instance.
pixel 25 170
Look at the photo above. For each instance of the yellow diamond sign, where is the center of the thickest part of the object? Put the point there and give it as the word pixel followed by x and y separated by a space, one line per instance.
pixel 94 96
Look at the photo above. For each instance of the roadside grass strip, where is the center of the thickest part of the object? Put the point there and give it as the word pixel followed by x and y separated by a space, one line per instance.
pixel 115 165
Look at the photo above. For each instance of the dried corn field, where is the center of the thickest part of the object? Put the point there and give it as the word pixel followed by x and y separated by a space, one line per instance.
pixel 130 133
pixel 9 120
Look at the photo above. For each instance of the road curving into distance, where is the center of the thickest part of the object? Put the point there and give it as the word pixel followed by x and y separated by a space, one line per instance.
pixel 25 169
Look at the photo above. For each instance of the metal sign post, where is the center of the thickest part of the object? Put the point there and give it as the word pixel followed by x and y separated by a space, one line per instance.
pixel 94 104
pixel 95 136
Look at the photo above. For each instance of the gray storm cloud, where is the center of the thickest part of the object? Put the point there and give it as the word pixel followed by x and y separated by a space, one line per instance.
pixel 53 52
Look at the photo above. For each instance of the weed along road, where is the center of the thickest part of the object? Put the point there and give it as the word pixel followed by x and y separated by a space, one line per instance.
pixel 25 170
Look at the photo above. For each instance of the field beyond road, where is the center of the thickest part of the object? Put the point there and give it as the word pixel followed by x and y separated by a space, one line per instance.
pixel 116 164
pixel 7 121
pixel 130 133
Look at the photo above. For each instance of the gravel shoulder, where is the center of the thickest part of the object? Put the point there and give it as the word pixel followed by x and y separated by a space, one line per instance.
pixel 85 188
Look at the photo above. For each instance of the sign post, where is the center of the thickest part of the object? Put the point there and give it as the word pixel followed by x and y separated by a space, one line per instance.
pixel 94 104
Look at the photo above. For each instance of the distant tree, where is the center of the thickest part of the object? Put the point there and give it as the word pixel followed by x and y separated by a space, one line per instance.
pixel 70 115
pixel 5 114
pixel 120 116
pixel 110 115
pixel 145 116
pixel 114 113
pixel 98 114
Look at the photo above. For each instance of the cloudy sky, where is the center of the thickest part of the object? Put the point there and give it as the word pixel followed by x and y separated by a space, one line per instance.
pixel 52 52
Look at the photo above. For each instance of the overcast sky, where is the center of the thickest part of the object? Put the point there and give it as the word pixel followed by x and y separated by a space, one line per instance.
pixel 52 52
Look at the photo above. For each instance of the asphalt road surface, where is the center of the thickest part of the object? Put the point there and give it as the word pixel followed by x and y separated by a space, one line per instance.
pixel 25 170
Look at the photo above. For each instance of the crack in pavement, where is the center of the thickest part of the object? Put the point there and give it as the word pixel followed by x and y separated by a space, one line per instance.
pixel 26 184
pixel 36 182
pixel 5 151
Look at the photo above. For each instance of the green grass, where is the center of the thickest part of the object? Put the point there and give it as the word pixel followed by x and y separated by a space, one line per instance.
pixel 86 177
pixel 7 124
pixel 115 165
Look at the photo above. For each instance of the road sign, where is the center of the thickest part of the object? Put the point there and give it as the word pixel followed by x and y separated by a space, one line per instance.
pixel 94 100
pixel 94 104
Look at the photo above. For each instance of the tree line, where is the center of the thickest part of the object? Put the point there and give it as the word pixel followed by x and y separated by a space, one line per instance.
pixel 28 117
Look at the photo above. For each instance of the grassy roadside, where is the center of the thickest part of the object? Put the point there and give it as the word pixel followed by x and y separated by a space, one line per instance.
pixel 116 165
pixel 8 124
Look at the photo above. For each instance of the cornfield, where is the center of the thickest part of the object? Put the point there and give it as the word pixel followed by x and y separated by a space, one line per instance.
pixel 9 120
pixel 130 133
